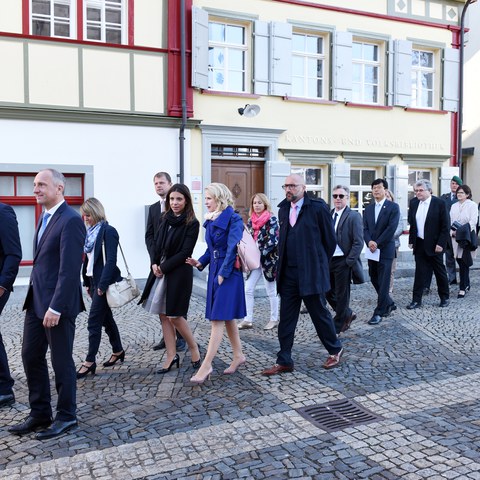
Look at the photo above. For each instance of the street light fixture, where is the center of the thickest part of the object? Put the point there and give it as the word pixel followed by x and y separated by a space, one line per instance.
pixel 460 86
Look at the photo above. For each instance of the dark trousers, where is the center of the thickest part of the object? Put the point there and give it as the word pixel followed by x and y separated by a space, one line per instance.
pixel 289 311
pixel 424 265
pixel 6 380
pixel 380 273
pixel 339 295
pixel 450 261
pixel 36 340
pixel 101 316
pixel 464 271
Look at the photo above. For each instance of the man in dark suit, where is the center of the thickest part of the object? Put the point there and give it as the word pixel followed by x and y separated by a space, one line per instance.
pixel 449 199
pixel 380 220
pixel 10 257
pixel 346 258
pixel 306 243
pixel 429 231
pixel 162 182
pixel 54 299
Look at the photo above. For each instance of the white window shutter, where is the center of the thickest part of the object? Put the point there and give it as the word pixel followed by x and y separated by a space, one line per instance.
pixel 281 59
pixel 390 75
pixel 403 73
pixel 342 67
pixel 261 58
pixel 451 65
pixel 199 48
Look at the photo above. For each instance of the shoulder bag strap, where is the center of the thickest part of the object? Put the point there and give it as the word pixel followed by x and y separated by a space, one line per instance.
pixel 123 256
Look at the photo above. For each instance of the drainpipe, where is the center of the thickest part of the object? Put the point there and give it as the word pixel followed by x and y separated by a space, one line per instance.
pixel 183 64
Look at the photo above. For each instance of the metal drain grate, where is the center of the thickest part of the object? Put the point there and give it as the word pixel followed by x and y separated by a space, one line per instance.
pixel 337 415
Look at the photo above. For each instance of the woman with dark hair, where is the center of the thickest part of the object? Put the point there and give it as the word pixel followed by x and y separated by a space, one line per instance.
pixel 463 213
pixel 169 286
pixel 99 271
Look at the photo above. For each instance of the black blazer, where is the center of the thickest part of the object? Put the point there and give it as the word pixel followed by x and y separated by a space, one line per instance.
pixel 10 248
pixel 153 224
pixel 437 225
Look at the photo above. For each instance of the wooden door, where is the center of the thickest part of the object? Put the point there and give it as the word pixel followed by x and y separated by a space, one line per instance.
pixel 243 178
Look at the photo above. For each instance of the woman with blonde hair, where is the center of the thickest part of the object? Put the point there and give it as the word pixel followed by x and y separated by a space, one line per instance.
pixel 264 229
pixel 99 271
pixel 225 288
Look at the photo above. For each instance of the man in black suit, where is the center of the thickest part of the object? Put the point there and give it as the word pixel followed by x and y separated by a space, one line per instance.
pixel 346 258
pixel 54 299
pixel 162 182
pixel 380 220
pixel 10 257
pixel 449 199
pixel 306 243
pixel 429 231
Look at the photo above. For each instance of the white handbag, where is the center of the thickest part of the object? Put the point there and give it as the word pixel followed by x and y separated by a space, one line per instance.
pixel 122 292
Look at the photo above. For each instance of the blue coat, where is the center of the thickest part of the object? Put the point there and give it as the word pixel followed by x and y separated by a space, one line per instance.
pixel 225 301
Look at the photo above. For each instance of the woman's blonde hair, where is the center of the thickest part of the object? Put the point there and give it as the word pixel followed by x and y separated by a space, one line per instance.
pixel 391 194
pixel 221 194
pixel 94 209
pixel 263 198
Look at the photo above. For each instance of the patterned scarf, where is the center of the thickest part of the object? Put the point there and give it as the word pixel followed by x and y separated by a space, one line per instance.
pixel 91 237
pixel 258 221
pixel 213 215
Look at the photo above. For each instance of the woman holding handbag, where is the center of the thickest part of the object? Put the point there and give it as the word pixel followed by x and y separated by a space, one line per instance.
pixel 169 286
pixel 225 288
pixel 99 271
pixel 264 229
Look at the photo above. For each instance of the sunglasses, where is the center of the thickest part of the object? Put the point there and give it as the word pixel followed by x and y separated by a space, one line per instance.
pixel 338 195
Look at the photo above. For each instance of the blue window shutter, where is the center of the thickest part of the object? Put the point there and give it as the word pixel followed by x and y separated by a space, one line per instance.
pixel 281 59
pixel 199 48
pixel 261 58
pixel 402 73
pixel 342 67
pixel 451 65
pixel 390 74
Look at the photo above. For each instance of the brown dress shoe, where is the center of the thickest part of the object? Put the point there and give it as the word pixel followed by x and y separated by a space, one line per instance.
pixel 333 360
pixel 348 322
pixel 276 369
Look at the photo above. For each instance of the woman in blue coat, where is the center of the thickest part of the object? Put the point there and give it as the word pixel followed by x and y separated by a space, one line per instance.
pixel 225 289
pixel 99 271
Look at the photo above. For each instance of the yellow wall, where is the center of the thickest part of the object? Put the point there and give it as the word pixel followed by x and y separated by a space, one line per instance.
pixel 150 16
pixel 11 16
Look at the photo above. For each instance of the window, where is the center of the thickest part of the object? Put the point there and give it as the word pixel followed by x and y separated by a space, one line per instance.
pixel 313 178
pixel 52 18
pixel 105 21
pixel 230 151
pixel 308 65
pixel 227 56
pixel 423 78
pixel 414 176
pixel 17 190
pixel 366 72
pixel 360 188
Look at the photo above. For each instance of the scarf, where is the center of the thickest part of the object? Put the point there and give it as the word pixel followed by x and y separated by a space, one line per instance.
pixel 213 215
pixel 91 237
pixel 169 221
pixel 258 221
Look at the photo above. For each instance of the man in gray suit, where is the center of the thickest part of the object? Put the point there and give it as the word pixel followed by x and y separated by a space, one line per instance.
pixel 345 262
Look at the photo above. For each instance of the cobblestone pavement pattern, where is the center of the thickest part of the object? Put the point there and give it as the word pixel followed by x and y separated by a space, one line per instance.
pixel 418 370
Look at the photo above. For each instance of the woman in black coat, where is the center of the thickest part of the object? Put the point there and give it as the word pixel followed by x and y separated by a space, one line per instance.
pixel 99 271
pixel 169 285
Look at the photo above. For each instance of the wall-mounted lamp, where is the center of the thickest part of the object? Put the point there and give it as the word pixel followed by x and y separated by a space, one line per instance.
pixel 249 110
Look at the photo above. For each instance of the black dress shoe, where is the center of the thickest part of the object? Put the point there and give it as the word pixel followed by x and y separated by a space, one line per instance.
pixel 426 291
pixel 445 302
pixel 375 320
pixel 181 345
pixel 57 428
pixel 453 282
pixel 6 400
pixel 160 345
pixel 31 424
pixel 391 308
pixel 414 305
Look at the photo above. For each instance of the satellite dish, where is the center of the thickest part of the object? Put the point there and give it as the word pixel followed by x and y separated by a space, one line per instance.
pixel 249 111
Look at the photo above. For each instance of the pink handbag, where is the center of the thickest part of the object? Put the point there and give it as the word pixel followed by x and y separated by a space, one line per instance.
pixel 248 252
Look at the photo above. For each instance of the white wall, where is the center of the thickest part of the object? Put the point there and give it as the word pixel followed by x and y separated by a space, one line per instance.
pixel 124 160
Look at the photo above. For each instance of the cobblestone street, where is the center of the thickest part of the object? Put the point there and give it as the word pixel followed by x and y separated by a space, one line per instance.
pixel 418 371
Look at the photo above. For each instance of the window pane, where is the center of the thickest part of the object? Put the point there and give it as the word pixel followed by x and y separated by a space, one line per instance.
pixel 236 60
pixel 298 42
pixel 368 176
pixel 7 186
pixel 354 177
pixel 113 16
pixel 371 74
pixel 314 44
pixel 62 11
pixel 426 59
pixel 370 52
pixel 40 27
pixel 356 93
pixel 41 7
pixel 94 33
pixel 62 30
pixel 313 176
pixel 415 57
pixel 353 199
pixel 297 64
pixel 312 67
pixel 357 50
pixel 370 93
pixel 235 35
pixel 26 225
pixel 236 82
pixel 427 80
pixel 94 14
pixel 74 187
pixel 297 87
pixel 357 73
pixel 113 36
pixel 217 32
pixel 25 186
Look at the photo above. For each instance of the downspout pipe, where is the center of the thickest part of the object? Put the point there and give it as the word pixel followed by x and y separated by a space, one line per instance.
pixel 183 70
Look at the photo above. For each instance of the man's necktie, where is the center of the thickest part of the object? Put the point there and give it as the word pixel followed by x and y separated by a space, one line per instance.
pixel 335 221
pixel 46 216
pixel 293 215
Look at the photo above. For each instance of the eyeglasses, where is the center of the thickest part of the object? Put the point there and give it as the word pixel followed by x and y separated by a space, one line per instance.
pixel 338 195
pixel 290 186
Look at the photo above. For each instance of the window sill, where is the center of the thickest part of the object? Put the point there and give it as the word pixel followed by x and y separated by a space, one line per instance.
pixel 308 100
pixel 425 110
pixel 368 105
pixel 228 94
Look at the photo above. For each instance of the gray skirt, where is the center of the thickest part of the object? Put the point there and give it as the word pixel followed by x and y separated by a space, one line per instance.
pixel 156 302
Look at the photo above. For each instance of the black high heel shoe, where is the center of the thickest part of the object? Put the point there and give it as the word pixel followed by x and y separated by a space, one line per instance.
pixel 196 365
pixel 91 369
pixel 116 358
pixel 176 360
